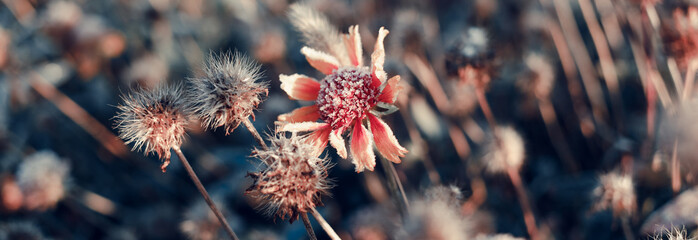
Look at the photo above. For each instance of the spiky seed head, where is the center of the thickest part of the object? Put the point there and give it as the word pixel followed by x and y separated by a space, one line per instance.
pixel 504 151
pixel 292 180
pixel 345 95
pixel 229 92
pixel 154 121
pixel 616 192
pixel 675 233
pixel 42 178
pixel 20 230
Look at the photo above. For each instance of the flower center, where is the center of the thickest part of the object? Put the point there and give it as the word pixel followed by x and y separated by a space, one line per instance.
pixel 345 95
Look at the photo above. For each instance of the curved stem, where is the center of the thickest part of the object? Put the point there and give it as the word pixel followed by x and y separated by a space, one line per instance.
pixel 254 133
pixel 396 186
pixel 204 193
pixel 325 226
pixel 529 218
pixel 308 227
pixel 485 106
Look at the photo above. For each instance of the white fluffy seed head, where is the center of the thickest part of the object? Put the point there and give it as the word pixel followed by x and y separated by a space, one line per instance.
pixel 617 193
pixel 229 93
pixel 292 180
pixel 504 151
pixel 42 178
pixel 318 33
pixel 435 220
pixel 541 75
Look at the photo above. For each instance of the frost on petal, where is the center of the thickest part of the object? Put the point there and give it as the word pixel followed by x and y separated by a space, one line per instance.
pixel 321 61
pixel 300 87
pixel 389 93
pixel 378 56
pixel 385 140
pixel 337 142
pixel 353 44
pixel 319 139
pixel 301 114
pixel 362 148
pixel 300 126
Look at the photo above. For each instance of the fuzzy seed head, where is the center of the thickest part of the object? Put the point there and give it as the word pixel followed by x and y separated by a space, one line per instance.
pixel 345 95
pixel 153 120
pixel 317 30
pixel 451 195
pixel 42 178
pixel 229 93
pixel 505 151
pixel 616 192
pixel 435 220
pixel 292 180
pixel 542 75
pixel 674 233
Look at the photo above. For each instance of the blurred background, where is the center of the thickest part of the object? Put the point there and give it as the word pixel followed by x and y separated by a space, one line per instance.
pixel 591 86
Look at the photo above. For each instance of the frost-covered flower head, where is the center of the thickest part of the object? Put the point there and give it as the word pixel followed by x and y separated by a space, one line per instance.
pixel 153 120
pixel 616 192
pixel 348 98
pixel 229 92
pixel 42 178
pixel 292 180
pixel 504 151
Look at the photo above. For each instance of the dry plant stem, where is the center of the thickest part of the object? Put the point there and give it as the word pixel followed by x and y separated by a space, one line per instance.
pixel 427 77
pixel 325 226
pixel 690 79
pixel 625 224
pixel 417 139
pixel 78 114
pixel 308 226
pixel 675 170
pixel 555 133
pixel 396 187
pixel 254 133
pixel 482 100
pixel 608 68
pixel 204 193
pixel 529 218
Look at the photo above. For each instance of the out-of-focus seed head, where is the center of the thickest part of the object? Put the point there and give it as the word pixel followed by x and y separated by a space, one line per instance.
pixel 617 193
pixel 346 95
pixel 463 99
pixel 504 151
pixel 42 178
pixel 412 31
pixel 20 231
pixel 470 48
pixel 292 180
pixel 435 220
pixel 450 194
pixel 229 93
pixel 540 77
pixel 675 233
pixel 318 32
pixel 199 221
pixel 154 120
pixel 375 222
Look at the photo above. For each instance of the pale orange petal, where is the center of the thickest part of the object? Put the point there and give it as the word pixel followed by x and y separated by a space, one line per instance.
pixel 300 126
pixel 319 139
pixel 362 148
pixel 389 93
pixel 321 61
pixel 353 44
pixel 301 114
pixel 385 140
pixel 337 142
pixel 378 56
pixel 300 87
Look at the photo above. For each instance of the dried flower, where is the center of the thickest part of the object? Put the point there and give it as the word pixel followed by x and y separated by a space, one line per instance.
pixel 20 230
pixel 349 94
pixel 153 120
pixel 42 178
pixel 293 178
pixel 616 192
pixel 505 151
pixel 229 93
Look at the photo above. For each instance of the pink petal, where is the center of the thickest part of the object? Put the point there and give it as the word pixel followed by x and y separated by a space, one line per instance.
pixel 389 93
pixel 300 126
pixel 378 56
pixel 385 140
pixel 321 61
pixel 319 139
pixel 353 44
pixel 302 114
pixel 300 87
pixel 362 148
pixel 337 142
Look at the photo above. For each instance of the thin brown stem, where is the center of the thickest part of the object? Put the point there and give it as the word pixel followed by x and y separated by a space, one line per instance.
pixel 482 100
pixel 204 193
pixel 325 226
pixel 308 227
pixel 690 80
pixel 529 218
pixel 396 186
pixel 254 133
pixel 557 138
pixel 675 169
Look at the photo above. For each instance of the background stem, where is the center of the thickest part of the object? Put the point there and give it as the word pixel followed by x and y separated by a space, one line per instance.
pixel 325 226
pixel 308 227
